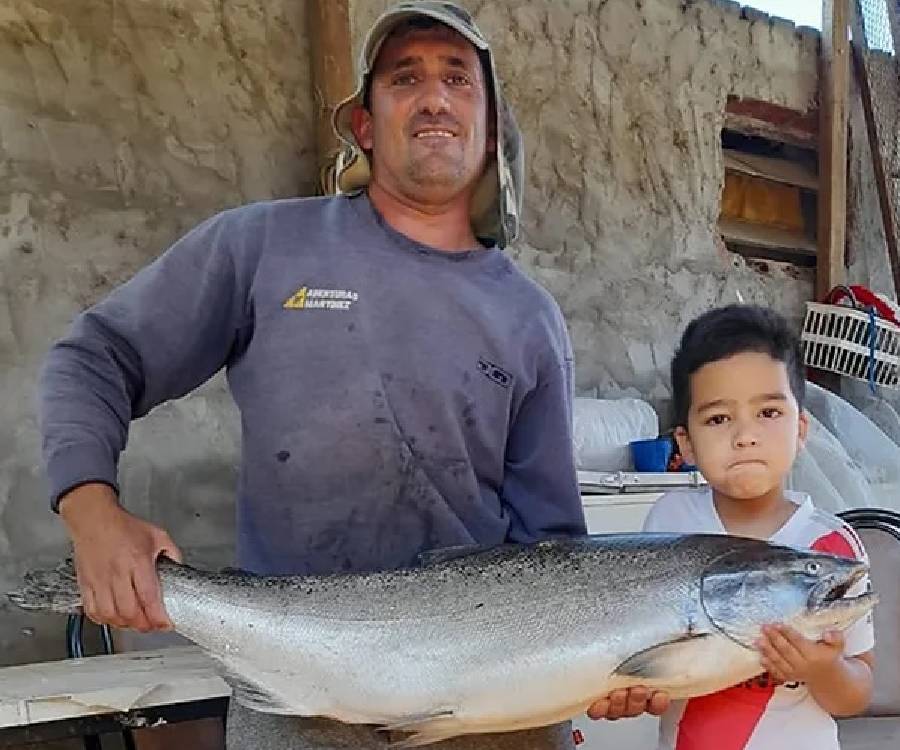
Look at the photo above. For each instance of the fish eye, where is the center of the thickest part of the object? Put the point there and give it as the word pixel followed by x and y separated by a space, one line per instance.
pixel 813 568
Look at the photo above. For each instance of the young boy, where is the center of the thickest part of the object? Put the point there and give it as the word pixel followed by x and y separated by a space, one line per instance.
pixel 738 385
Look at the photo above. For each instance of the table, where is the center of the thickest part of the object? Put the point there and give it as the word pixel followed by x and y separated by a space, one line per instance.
pixel 101 694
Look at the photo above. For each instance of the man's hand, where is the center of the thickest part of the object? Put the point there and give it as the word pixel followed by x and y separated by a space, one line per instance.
pixel 115 558
pixel 789 657
pixel 629 703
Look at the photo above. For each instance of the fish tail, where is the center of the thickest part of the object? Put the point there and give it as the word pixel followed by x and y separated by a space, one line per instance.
pixel 53 590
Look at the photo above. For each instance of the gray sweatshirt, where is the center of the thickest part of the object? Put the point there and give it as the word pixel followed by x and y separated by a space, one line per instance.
pixel 393 398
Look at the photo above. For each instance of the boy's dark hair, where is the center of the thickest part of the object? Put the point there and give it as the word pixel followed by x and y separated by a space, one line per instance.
pixel 726 331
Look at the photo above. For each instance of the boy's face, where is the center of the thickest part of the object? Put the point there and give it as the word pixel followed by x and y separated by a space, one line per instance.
pixel 744 427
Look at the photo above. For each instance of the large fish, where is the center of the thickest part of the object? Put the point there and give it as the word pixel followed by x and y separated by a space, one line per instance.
pixel 499 639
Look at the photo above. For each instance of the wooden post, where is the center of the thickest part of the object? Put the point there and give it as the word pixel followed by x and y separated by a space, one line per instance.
pixel 882 178
pixel 331 52
pixel 834 82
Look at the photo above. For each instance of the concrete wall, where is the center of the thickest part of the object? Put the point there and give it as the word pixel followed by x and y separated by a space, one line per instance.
pixel 866 246
pixel 123 123
pixel 622 104
pixel 865 234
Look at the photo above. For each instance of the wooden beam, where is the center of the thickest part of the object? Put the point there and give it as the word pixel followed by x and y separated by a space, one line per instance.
pixel 834 84
pixel 759 235
pixel 331 51
pixel 778 170
pixel 772 121
pixel 882 181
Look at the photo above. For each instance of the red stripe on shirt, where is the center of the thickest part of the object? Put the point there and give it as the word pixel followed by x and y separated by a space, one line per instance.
pixel 834 543
pixel 724 720
pixel 857 542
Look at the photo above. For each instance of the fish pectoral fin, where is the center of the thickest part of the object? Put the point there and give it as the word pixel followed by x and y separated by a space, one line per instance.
pixel 249 692
pixel 421 730
pixel 665 661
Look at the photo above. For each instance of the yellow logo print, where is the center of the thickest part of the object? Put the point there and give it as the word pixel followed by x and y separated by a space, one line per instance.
pixel 306 298
pixel 297 301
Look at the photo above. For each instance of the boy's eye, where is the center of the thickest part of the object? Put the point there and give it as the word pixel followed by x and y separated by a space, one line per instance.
pixel 771 413
pixel 717 419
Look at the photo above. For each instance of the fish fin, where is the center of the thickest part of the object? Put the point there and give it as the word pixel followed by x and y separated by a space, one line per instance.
pixel 249 693
pixel 663 661
pixel 445 554
pixel 53 590
pixel 420 730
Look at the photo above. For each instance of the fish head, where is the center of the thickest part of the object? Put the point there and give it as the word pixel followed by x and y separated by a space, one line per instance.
pixel 758 584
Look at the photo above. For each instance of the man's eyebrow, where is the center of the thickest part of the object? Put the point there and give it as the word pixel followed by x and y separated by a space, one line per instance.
pixel 406 62
pixel 410 60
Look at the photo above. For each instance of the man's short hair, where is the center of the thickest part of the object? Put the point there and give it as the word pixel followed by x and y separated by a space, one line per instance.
pixel 725 332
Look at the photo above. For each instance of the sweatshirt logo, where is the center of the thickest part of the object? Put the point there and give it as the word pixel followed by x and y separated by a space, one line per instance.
pixel 306 298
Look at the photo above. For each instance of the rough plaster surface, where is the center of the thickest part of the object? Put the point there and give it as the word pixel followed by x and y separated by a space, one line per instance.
pixel 124 122
pixel 866 244
pixel 622 103
pixel 865 234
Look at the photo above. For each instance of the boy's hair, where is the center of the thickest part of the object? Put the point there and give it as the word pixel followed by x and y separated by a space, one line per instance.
pixel 726 331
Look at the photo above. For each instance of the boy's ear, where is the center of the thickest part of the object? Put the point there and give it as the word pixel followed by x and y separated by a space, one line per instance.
pixel 685 448
pixel 802 429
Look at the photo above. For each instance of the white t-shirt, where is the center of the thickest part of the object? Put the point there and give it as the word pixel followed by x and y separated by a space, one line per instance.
pixel 756 715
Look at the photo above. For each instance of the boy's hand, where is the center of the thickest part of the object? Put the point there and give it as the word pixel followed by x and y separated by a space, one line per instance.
pixel 628 703
pixel 789 657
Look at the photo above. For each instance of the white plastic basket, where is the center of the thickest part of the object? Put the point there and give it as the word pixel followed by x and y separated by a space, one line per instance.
pixel 839 338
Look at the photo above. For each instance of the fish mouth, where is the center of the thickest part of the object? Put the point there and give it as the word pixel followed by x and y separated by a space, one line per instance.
pixel 834 588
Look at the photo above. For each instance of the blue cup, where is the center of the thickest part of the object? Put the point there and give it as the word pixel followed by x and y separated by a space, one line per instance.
pixel 651 455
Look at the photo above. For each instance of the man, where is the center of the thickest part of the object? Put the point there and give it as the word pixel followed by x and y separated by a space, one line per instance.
pixel 402 386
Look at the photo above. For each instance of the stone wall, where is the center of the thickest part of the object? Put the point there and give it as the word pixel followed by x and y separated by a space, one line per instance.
pixel 122 124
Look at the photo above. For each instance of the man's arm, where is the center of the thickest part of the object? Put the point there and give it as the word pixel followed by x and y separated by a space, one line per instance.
pixel 115 555
pixel 540 485
pixel 155 338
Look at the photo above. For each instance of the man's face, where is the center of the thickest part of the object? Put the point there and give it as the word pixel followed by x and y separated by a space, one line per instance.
pixel 427 131
pixel 744 426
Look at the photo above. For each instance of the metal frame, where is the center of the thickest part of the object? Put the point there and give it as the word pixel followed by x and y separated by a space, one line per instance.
pixel 94 726
pixel 880 519
pixel 75 650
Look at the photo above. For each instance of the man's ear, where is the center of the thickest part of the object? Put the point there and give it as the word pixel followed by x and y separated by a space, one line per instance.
pixel 685 447
pixel 802 429
pixel 362 125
